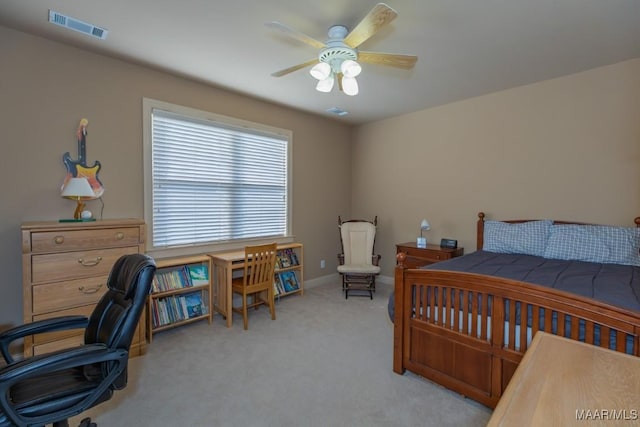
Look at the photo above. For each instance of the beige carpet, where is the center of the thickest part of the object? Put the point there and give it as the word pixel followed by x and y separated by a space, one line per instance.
pixel 325 361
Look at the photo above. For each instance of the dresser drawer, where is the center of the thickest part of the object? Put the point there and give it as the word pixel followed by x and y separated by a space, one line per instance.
pixel 426 254
pixel 72 341
pixel 72 293
pixel 72 265
pixel 68 333
pixel 419 257
pixel 71 240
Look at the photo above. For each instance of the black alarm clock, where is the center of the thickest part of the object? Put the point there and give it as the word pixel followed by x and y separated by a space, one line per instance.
pixel 448 243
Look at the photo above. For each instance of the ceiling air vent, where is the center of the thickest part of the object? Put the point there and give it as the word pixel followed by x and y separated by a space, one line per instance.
pixel 77 25
pixel 337 111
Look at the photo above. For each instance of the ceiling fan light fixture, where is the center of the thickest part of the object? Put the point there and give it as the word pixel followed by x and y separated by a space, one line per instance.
pixel 349 85
pixel 321 71
pixel 339 54
pixel 350 68
pixel 325 85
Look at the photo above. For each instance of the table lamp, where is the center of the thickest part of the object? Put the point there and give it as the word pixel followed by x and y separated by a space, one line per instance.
pixel 421 241
pixel 78 189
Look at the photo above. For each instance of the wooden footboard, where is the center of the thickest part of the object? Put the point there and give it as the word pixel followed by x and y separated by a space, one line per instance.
pixel 468 332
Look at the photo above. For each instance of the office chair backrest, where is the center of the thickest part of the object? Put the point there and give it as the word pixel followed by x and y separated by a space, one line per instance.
pixel 116 316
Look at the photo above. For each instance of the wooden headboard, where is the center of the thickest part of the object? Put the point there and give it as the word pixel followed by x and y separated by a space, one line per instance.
pixel 480 231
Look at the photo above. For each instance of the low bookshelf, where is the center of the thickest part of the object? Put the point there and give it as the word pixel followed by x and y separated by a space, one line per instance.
pixel 225 264
pixel 288 277
pixel 181 294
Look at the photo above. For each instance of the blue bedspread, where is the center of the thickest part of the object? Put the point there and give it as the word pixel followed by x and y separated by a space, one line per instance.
pixel 613 284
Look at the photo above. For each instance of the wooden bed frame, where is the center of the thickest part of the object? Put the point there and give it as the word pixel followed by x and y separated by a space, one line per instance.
pixel 467 352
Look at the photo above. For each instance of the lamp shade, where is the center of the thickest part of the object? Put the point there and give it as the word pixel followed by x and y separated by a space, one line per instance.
pixel 350 68
pixel 350 85
pixel 320 71
pixel 325 85
pixel 424 225
pixel 77 188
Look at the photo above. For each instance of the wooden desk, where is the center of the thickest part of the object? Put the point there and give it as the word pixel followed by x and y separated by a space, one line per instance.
pixel 561 382
pixel 223 265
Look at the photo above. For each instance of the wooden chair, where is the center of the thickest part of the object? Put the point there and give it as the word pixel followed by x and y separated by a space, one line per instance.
pixel 358 265
pixel 257 281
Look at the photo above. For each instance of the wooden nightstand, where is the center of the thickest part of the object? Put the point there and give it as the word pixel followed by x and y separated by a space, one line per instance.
pixel 419 257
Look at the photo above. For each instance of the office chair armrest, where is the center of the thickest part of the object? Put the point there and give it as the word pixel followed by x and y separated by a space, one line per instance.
pixel 38 327
pixel 340 259
pixel 375 259
pixel 56 361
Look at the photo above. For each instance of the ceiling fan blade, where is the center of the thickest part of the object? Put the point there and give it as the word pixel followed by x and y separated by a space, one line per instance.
pixel 294 68
pixel 296 34
pixel 379 16
pixel 399 61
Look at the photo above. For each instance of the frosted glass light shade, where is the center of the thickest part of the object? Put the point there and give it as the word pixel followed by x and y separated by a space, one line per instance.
pixel 424 225
pixel 350 68
pixel 325 85
pixel 349 85
pixel 320 71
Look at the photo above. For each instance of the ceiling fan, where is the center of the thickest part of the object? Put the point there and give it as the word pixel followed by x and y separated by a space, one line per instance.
pixel 339 56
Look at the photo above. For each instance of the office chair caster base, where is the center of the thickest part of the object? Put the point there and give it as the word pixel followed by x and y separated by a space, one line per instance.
pixel 86 422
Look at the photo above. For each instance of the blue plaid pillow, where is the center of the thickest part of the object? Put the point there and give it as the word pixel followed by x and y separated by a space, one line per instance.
pixel 594 243
pixel 529 238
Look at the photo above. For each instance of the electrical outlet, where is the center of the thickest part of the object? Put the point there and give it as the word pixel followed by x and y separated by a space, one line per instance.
pixel 321 263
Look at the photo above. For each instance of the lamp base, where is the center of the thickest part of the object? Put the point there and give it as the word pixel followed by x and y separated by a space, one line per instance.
pixel 421 242
pixel 77 220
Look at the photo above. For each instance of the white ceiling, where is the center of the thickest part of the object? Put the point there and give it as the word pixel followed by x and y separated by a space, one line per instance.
pixel 465 48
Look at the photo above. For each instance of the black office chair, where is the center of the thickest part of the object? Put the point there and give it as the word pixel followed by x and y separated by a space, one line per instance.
pixel 51 388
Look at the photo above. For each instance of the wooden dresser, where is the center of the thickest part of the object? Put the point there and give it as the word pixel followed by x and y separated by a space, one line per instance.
pixel 65 266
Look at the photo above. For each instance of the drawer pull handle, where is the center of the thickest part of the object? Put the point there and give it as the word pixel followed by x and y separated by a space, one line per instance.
pixel 58 240
pixel 88 291
pixel 119 235
pixel 90 262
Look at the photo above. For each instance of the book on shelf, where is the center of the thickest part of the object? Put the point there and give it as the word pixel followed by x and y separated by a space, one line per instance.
pixel 199 274
pixel 293 257
pixel 289 281
pixel 193 304
pixel 286 258
pixel 277 285
pixel 168 279
pixel 176 308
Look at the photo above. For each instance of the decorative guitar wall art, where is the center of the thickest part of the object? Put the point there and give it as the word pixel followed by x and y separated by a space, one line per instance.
pixel 79 168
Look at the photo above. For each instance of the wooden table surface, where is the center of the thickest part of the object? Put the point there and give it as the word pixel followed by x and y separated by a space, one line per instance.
pixel 562 382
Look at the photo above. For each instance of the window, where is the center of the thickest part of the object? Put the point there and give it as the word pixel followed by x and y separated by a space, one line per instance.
pixel 211 179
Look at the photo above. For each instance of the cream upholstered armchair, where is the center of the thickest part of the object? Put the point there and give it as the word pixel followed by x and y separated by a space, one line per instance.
pixel 358 265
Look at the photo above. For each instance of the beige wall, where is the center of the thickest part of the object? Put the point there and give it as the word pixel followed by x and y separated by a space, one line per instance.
pixel 46 88
pixel 567 148
pixel 564 148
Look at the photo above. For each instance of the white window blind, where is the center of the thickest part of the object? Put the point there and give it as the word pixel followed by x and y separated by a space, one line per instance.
pixel 215 182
